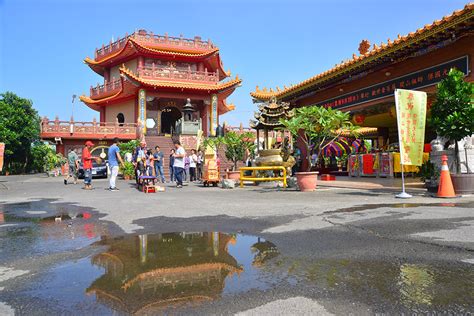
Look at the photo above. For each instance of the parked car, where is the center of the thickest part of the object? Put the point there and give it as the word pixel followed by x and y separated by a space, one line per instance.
pixel 98 170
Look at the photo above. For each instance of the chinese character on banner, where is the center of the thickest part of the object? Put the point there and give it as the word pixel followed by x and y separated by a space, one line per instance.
pixel 411 118
pixel 2 151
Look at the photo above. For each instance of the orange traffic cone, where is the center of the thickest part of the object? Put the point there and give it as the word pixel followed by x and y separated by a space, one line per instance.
pixel 445 188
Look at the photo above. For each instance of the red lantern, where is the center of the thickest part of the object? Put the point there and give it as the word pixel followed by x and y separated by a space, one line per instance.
pixel 359 118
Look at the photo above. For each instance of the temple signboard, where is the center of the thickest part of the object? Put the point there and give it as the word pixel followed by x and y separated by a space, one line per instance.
pixel 142 108
pixel 415 80
pixel 213 120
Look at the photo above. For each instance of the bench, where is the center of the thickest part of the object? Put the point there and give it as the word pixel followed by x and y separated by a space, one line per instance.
pixel 255 179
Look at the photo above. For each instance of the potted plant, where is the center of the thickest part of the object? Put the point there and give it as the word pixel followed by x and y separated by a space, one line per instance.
pixel 317 127
pixel 430 175
pixel 235 146
pixel 452 116
pixel 127 170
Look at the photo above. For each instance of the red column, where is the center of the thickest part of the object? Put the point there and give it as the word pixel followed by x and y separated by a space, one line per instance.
pixel 60 149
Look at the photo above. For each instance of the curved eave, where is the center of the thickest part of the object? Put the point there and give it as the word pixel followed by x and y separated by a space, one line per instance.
pixel 219 87
pixel 439 26
pixel 133 47
pixel 225 107
pixel 96 104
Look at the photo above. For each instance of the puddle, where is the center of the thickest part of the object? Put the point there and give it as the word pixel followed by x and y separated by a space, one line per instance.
pixel 34 228
pixel 151 273
pixel 390 286
pixel 74 266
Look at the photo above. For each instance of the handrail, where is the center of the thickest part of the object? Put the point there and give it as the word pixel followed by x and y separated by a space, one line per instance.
pixel 169 73
pixel 154 39
pixel 92 128
pixel 107 87
pixel 254 177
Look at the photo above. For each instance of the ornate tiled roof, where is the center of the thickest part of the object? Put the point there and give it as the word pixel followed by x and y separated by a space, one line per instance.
pixel 377 53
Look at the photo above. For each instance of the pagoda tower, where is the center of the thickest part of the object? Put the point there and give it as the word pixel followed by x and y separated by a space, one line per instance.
pixel 148 79
pixel 268 118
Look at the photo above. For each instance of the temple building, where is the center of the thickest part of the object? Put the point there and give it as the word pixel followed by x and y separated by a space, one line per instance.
pixel 155 87
pixel 365 83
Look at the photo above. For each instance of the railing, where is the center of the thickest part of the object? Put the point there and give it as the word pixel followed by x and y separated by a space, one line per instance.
pixel 108 88
pixel 188 127
pixel 154 40
pixel 94 129
pixel 152 72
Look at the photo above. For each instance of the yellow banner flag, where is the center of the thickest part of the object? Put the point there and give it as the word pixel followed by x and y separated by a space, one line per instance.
pixel 411 119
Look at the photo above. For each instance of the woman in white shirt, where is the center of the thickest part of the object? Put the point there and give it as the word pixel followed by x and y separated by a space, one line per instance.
pixel 192 165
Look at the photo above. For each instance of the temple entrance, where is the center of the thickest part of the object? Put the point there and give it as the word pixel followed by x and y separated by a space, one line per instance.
pixel 169 117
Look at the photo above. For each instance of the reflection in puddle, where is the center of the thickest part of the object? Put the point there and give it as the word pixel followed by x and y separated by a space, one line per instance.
pixel 389 286
pixel 147 272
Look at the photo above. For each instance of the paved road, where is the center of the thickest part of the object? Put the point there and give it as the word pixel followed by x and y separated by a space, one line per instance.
pixel 340 251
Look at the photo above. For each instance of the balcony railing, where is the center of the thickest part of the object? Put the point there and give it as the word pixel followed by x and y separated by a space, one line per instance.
pixel 173 74
pixel 188 127
pixel 94 130
pixel 106 89
pixel 151 39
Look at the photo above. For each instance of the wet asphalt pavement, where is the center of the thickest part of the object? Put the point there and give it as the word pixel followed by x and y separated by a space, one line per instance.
pixel 211 251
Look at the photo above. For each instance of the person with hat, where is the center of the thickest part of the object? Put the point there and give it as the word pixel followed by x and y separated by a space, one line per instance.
pixel 87 164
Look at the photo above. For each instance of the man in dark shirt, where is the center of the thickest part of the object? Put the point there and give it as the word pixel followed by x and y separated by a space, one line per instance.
pixel 158 159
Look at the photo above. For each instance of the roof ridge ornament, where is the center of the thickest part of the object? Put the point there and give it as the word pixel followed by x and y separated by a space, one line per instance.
pixel 364 47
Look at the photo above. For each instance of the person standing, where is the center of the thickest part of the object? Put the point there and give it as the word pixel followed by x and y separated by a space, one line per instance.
pixel 179 156
pixel 199 163
pixel 73 162
pixel 139 158
pixel 87 164
pixel 192 165
pixel 158 158
pixel 171 165
pixel 114 159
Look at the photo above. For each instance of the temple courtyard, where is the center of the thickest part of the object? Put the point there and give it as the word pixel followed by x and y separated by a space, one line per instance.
pixel 347 248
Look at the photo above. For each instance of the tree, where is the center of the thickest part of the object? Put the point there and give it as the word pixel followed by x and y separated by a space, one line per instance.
pixel 234 144
pixel 39 154
pixel 19 128
pixel 318 127
pixel 452 114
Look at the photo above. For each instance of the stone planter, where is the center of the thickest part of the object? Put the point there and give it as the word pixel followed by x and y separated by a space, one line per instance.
pixel 234 175
pixel 431 186
pixel 463 183
pixel 307 181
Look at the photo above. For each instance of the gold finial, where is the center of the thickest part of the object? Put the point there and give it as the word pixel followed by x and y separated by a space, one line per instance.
pixel 237 77
pixel 375 47
pixel 278 88
pixel 271 89
pixel 285 87
pixel 265 89
pixel 389 41
pixel 399 36
pixel 257 89
pixel 354 56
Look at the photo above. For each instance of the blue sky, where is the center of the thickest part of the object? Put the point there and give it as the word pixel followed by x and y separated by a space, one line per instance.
pixel 267 43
